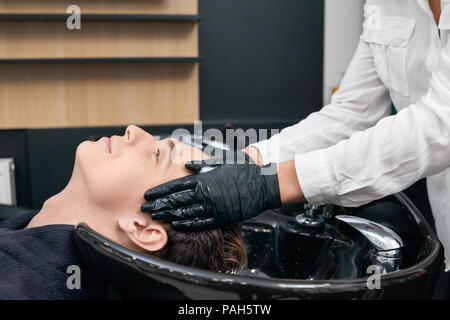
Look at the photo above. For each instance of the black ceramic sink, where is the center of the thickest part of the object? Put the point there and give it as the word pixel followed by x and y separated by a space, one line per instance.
pixel 288 259
pixel 279 248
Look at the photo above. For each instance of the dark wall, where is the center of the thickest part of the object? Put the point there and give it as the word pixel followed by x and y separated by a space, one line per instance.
pixel 261 59
pixel 13 144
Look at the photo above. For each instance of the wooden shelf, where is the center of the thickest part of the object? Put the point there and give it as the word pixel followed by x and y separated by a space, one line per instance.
pixel 101 6
pixel 132 61
pixel 98 39
pixel 75 95
pixel 41 17
pixel 100 60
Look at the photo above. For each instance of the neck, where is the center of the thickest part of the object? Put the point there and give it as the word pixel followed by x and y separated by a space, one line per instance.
pixel 72 206
pixel 69 206
pixel 435 6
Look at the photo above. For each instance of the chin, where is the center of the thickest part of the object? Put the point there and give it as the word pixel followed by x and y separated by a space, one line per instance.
pixel 89 154
pixel 83 149
pixel 87 161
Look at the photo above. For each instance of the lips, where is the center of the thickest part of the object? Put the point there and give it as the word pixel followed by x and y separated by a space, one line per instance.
pixel 107 142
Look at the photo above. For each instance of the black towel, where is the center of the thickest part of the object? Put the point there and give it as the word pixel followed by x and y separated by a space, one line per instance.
pixel 34 263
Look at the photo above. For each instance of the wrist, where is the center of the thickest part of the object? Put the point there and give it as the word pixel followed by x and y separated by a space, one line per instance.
pixel 271 187
pixel 254 153
pixel 290 189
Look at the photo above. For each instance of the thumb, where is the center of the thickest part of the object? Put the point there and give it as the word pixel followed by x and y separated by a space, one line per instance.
pixel 194 166
pixel 198 166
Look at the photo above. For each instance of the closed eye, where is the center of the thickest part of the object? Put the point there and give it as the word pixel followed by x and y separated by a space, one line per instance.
pixel 158 152
pixel 168 143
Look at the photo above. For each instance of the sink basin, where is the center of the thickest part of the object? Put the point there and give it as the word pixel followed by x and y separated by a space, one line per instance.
pixel 288 260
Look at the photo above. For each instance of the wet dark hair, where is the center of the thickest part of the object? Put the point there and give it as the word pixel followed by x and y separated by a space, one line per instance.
pixel 219 250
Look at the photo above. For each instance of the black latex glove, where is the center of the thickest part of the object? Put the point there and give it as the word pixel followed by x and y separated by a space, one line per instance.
pixel 228 194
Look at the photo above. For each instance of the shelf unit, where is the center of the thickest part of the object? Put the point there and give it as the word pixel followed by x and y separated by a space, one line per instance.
pixel 133 61
pixel 102 6
pixel 100 60
pixel 40 17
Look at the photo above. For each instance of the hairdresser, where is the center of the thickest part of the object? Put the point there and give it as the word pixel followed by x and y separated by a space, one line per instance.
pixel 353 151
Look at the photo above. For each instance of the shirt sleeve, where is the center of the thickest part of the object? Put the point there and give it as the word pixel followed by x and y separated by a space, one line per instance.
pixel 360 102
pixel 388 157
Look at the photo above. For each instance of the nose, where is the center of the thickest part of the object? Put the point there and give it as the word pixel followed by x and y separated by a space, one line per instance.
pixel 134 134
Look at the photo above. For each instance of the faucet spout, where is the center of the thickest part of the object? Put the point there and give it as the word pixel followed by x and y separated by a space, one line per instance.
pixel 386 242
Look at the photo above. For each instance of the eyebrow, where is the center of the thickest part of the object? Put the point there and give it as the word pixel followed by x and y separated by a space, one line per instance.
pixel 171 144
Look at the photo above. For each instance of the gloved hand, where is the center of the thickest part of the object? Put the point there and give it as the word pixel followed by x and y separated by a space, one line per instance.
pixel 228 194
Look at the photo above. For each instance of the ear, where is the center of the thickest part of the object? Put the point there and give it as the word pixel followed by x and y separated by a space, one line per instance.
pixel 145 233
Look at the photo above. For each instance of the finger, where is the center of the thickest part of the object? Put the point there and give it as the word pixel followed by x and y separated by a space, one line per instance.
pixel 194 166
pixel 190 213
pixel 197 166
pixel 214 162
pixel 194 225
pixel 172 201
pixel 188 182
pixel 164 216
pixel 187 213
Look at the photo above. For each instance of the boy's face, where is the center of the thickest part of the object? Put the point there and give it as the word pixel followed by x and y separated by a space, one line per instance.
pixel 117 171
pixel 113 175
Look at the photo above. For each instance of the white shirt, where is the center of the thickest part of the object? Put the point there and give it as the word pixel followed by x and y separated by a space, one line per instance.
pixel 353 151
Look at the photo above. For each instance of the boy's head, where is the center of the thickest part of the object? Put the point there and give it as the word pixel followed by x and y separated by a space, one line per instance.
pixel 113 175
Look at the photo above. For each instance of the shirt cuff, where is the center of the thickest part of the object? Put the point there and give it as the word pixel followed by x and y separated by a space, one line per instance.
pixel 269 150
pixel 316 177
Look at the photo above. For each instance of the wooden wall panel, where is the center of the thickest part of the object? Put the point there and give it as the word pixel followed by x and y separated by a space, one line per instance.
pixel 98 39
pixel 101 6
pixel 60 95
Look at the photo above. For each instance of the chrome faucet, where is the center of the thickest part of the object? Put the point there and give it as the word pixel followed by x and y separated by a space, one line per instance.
pixel 387 244
pixel 312 217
